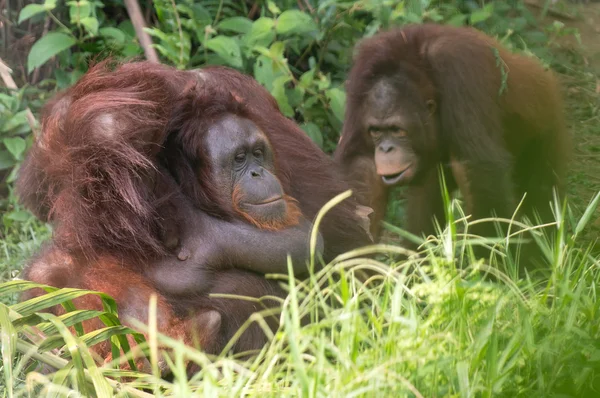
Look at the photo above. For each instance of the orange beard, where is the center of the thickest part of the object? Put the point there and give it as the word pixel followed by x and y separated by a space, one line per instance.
pixel 292 216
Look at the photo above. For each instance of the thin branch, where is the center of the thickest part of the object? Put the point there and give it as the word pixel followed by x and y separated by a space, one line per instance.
pixel 5 73
pixel 137 19
pixel 253 11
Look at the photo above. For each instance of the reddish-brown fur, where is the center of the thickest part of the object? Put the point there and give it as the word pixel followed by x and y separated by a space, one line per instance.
pixel 292 218
pixel 502 142
pixel 102 174
pixel 305 172
pixel 196 320
pixel 79 174
pixel 200 107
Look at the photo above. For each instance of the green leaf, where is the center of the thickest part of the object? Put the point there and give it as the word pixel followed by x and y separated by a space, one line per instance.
pixel 6 160
pixel 337 102
pixel 113 33
pixel 18 119
pixel 482 14
pixel 15 145
pixel 8 100
pixel 307 78
pixel 279 93
pixel 90 24
pixel 323 82
pixel 272 7
pixel 276 50
pixel 294 21
pixel 314 132
pixel 79 10
pixel 29 11
pixel 295 96
pixel 20 215
pixel 457 20
pixel 227 48
pixel 47 47
pixel 263 71
pixel 236 24
pixel 262 32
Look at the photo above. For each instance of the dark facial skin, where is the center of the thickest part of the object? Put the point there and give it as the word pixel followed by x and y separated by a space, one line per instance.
pixel 204 245
pixel 392 129
pixel 242 159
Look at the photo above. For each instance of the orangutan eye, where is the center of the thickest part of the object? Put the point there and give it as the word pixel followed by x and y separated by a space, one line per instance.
pixel 258 153
pixel 240 157
pixel 375 134
pixel 399 134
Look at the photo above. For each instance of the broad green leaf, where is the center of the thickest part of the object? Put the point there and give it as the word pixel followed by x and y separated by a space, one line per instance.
pixel 227 48
pixel 20 215
pixel 263 71
pixel 272 7
pixel 314 132
pixel 311 101
pixel 457 20
pixel 337 101
pixel 90 24
pixel 8 100
pixel 323 82
pixel 279 93
pixel 30 10
pixel 201 15
pixel 294 21
pixel 127 28
pixel 482 14
pixel 295 96
pixel 47 47
pixel 307 78
pixel 236 24
pixel 262 32
pixel 79 10
pixel 6 160
pixel 15 145
pixel 113 33
pixel 18 119
pixel 276 51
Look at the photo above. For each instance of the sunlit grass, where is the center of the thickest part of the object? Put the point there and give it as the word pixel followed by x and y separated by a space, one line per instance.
pixel 434 324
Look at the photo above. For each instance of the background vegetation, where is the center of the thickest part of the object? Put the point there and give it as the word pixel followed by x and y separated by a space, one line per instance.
pixel 430 328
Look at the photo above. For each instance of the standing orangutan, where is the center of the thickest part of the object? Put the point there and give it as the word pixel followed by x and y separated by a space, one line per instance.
pixel 137 178
pixel 426 96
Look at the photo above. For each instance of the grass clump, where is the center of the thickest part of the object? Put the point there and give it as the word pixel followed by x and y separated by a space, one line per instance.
pixel 427 326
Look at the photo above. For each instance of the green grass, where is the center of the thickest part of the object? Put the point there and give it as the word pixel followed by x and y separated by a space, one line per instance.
pixel 429 326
